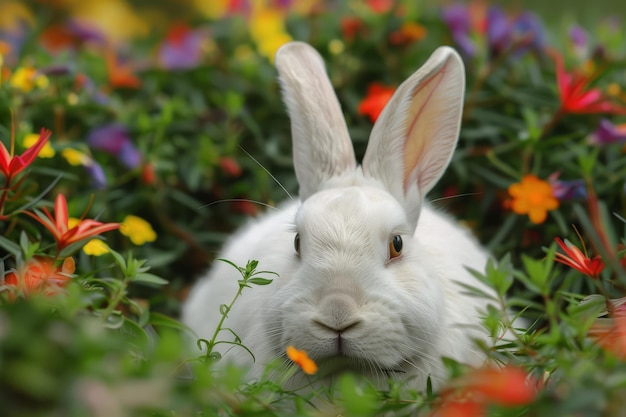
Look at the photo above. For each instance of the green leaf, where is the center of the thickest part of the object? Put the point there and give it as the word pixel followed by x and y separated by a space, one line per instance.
pixel 260 281
pixel 10 246
pixel 151 279
pixel 119 260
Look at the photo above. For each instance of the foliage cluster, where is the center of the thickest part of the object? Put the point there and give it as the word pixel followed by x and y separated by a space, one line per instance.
pixel 166 123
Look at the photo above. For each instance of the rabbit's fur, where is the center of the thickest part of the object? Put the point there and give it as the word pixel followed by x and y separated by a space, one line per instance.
pixel 343 298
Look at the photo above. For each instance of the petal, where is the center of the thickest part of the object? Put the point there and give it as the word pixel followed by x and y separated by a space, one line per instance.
pixel 31 153
pixel 60 213
pixel 537 215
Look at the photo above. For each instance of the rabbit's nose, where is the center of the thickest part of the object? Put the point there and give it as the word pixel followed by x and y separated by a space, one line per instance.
pixel 338 314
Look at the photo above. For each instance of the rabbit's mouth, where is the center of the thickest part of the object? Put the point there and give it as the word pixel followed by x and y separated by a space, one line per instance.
pixel 341 363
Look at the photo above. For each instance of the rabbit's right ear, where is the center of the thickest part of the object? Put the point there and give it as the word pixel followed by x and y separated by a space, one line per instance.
pixel 414 137
pixel 322 147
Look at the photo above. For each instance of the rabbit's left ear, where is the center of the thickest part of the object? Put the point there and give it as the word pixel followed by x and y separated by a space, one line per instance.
pixel 414 137
pixel 322 148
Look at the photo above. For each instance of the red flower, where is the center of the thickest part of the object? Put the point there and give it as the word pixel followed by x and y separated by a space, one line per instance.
pixel 471 394
pixel 574 258
pixel 577 97
pixel 350 27
pixel 40 274
pixel 374 103
pixel 58 225
pixel 11 165
pixel 380 6
pixel 230 166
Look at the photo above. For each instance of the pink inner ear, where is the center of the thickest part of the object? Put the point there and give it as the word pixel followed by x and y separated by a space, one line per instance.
pixel 416 141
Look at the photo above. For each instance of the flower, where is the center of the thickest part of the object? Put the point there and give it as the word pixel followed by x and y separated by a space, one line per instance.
pixel 533 197
pixel 114 139
pixel 75 157
pixel 267 29
pixel 576 96
pixel 458 19
pixel 608 133
pixel 27 78
pixel 567 189
pixel 470 395
pixel 408 33
pixel 39 274
pixel 96 247
pixel 32 139
pixel 11 165
pixel 376 100
pixel 380 6
pixel 182 48
pixel 137 230
pixel 230 167
pixel 59 226
pixel 351 27
pixel 301 358
pixel 574 258
pixel 120 75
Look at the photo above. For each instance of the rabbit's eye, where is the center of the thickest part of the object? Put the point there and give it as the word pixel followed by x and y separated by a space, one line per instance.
pixel 395 246
pixel 296 243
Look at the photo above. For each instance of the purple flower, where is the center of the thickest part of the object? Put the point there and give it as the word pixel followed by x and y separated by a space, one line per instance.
pixel 85 32
pixel 182 48
pixel 579 37
pixel 608 133
pixel 95 171
pixel 529 32
pixel 567 189
pixel 114 139
pixel 499 30
pixel 457 17
pixel 14 40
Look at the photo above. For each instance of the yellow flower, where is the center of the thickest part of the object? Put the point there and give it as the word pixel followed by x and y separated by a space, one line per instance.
pixel 13 14
pixel 138 230
pixel 75 157
pixel 46 152
pixel 301 358
pixel 26 78
pixel 267 29
pixel 116 18
pixel 533 197
pixel 213 9
pixel 96 247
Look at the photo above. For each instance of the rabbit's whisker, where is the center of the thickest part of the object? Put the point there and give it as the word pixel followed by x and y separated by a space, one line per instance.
pixel 237 200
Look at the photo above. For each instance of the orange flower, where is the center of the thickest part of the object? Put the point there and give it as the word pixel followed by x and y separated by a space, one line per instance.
pixel 533 197
pixel 301 358
pixel 40 274
pixel 58 225
pixel 574 258
pixel 374 103
pixel 120 76
pixel 408 33
pixel 471 394
pixel 610 333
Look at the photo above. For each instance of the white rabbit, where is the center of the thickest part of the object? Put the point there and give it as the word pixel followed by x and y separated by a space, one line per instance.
pixel 367 272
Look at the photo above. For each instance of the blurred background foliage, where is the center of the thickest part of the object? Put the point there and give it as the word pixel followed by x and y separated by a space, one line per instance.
pixel 169 112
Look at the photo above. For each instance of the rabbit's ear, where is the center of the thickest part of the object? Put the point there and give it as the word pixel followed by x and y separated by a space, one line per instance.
pixel 322 147
pixel 414 137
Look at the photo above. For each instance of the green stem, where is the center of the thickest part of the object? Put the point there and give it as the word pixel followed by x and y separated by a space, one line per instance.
pixel 218 328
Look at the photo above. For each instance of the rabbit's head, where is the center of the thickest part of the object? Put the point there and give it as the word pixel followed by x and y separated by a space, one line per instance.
pixel 365 292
